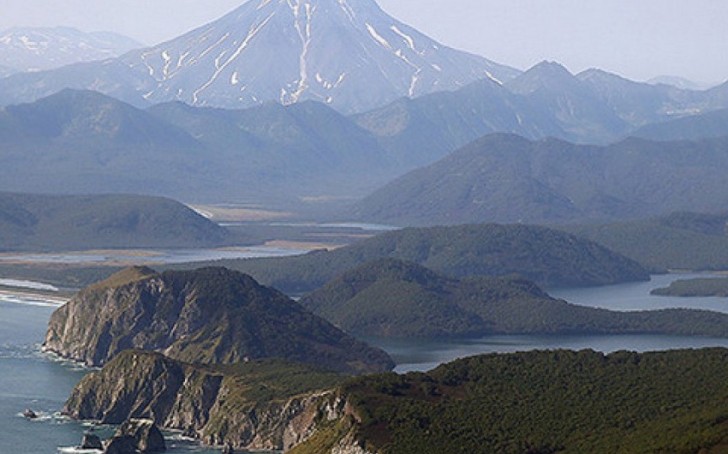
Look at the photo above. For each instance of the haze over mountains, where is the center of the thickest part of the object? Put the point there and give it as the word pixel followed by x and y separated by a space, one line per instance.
pixel 325 50
pixel 324 59
pixel 25 49
pixel 505 178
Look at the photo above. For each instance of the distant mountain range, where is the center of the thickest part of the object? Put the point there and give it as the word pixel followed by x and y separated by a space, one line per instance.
pixel 545 101
pixel 85 142
pixel 283 51
pixel 505 178
pixel 26 49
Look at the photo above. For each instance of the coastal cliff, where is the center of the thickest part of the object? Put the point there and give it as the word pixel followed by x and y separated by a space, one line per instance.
pixel 269 405
pixel 207 316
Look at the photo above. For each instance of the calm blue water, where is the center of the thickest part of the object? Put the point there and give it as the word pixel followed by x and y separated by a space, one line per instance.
pixel 29 379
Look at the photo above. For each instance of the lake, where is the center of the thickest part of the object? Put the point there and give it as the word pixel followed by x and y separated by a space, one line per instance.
pixel 29 379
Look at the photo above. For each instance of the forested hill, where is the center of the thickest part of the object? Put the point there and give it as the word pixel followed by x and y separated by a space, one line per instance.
pixel 548 257
pixel 541 402
pixel 31 222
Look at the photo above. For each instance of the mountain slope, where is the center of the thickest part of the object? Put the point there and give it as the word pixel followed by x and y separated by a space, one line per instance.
pixel 547 257
pixel 84 142
pixel 44 222
pixel 534 402
pixel 679 241
pixel 391 298
pixel 349 54
pixel 208 316
pixel 421 131
pixel 260 405
pixel 503 178
pixel 576 107
pixel 38 49
pixel 704 126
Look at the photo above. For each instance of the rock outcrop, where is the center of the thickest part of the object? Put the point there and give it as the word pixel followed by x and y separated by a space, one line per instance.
pixel 207 316
pixel 91 441
pixel 259 405
pixel 136 436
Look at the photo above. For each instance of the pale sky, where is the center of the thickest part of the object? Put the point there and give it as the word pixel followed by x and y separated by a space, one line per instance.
pixel 639 39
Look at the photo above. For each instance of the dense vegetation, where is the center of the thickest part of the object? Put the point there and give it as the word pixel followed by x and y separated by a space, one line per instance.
pixel 680 241
pixel 547 257
pixel 391 298
pixel 506 178
pixel 695 287
pixel 208 316
pixel 543 402
pixel 45 222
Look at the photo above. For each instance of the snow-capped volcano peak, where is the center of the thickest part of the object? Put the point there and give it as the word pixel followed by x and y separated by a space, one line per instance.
pixel 347 53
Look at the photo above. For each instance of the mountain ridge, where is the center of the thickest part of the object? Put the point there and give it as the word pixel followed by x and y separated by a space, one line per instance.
pixel 506 178
pixel 326 50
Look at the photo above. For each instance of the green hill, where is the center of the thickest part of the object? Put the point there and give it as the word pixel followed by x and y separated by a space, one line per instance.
pixel 540 402
pixel 207 316
pixel 48 222
pixel 695 287
pixel 548 257
pixel 680 241
pixel 391 298
pixel 506 178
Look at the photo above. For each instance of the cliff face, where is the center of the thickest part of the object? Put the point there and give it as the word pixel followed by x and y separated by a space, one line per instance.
pixel 208 316
pixel 269 406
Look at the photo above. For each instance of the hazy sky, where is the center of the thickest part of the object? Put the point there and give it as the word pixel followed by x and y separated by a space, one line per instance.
pixel 637 38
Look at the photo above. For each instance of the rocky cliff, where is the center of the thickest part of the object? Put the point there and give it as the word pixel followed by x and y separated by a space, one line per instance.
pixel 207 316
pixel 259 405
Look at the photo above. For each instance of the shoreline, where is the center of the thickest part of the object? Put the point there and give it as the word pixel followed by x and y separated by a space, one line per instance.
pixel 34 296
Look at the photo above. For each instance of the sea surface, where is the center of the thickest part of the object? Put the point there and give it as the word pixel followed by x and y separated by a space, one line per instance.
pixel 30 379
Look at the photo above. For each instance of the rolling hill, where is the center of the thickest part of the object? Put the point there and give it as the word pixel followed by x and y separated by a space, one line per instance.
pixel 391 298
pixel 505 178
pixel 679 241
pixel 548 257
pixel 30 222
